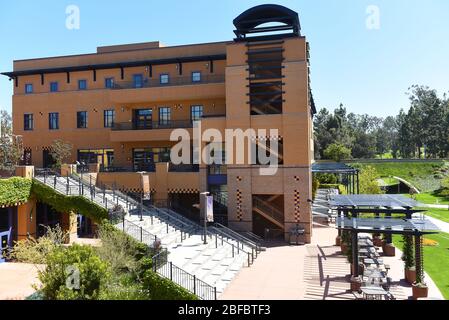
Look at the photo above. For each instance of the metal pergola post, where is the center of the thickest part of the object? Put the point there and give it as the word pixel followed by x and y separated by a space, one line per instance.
pixel 355 253
pixel 419 258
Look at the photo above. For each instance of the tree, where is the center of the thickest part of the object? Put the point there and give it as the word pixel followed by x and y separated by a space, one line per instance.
pixel 368 181
pixel 11 148
pixel 61 151
pixel 337 152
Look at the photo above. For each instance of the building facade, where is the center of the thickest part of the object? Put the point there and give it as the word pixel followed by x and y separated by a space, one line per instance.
pixel 118 107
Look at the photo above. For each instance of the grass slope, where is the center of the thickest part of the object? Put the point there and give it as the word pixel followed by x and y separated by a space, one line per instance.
pixel 423 175
pixel 435 260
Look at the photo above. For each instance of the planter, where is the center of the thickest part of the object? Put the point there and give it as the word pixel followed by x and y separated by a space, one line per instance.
pixel 410 275
pixel 356 284
pixel 420 291
pixel 389 250
pixel 338 241
pixel 377 241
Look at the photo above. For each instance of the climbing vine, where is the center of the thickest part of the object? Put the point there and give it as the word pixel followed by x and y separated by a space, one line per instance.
pixel 62 203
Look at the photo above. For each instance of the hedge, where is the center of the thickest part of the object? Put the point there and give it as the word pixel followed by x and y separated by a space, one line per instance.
pixel 14 191
pixel 63 204
pixel 164 289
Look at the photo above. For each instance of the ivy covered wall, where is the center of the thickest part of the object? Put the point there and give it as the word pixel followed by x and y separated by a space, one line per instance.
pixel 16 191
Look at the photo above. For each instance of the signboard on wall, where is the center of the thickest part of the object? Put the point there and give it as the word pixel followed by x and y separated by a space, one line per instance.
pixel 210 208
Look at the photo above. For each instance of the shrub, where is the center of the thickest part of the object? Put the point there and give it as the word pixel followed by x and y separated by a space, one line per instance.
pixel 164 289
pixel 326 178
pixel 36 251
pixel 80 263
pixel 124 288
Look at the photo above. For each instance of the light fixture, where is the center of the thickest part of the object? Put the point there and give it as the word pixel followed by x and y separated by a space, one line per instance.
pixel 40 112
pixel 123 109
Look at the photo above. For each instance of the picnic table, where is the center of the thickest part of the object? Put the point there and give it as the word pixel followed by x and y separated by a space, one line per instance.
pixel 375 261
pixel 373 293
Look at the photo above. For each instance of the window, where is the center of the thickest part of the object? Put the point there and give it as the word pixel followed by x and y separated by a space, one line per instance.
pixel 164 78
pixel 109 83
pixel 144 159
pixel 196 76
pixel 28 88
pixel 109 118
pixel 81 119
pixel 82 84
pixel 53 121
pixel 196 112
pixel 164 115
pixel 28 122
pixel 53 86
pixel 138 81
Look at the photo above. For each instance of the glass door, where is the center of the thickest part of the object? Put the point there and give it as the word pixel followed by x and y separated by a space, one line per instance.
pixel 143 119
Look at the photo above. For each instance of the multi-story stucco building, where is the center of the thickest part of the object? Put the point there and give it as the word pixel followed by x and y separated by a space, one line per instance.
pixel 119 106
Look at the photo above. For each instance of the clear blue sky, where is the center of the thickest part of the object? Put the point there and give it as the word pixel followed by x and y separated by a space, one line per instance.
pixel 366 70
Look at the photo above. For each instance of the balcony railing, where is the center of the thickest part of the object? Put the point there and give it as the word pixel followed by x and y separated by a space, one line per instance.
pixel 152 125
pixel 174 81
pixel 184 168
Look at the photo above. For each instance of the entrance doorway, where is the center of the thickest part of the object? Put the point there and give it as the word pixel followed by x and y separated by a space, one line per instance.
pixel 48 160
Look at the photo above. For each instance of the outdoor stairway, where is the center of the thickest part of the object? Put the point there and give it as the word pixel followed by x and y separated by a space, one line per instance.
pixel 211 266
pixel 268 211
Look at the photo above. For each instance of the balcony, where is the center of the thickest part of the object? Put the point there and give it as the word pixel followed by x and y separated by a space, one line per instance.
pixel 177 88
pixel 147 130
pixel 174 81
pixel 152 125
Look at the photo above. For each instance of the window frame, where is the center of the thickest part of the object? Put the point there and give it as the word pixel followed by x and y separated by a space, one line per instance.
pixel 161 116
pixel 78 113
pixel 29 85
pixel 112 79
pixel 51 119
pixel 108 119
pixel 79 84
pixel 28 121
pixel 134 80
pixel 192 107
pixel 52 84
pixel 164 75
pixel 200 78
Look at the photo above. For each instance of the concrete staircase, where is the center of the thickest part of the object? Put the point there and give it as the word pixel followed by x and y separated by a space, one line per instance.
pixel 215 264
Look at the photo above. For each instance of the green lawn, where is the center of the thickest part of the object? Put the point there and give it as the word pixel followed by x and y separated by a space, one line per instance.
pixel 441 214
pixel 420 174
pixel 436 260
pixel 431 198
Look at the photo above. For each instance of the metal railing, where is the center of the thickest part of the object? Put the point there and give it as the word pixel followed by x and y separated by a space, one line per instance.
pixel 184 167
pixel 257 245
pixel 183 278
pixel 268 209
pixel 139 233
pixel 172 81
pixel 152 125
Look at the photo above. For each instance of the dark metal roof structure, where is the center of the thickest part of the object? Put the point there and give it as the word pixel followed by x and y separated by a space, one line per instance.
pixel 387 225
pixel 332 167
pixel 249 21
pixel 116 65
pixel 372 201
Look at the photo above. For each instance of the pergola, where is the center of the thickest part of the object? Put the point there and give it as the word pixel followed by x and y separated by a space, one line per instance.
pixel 351 174
pixel 351 207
